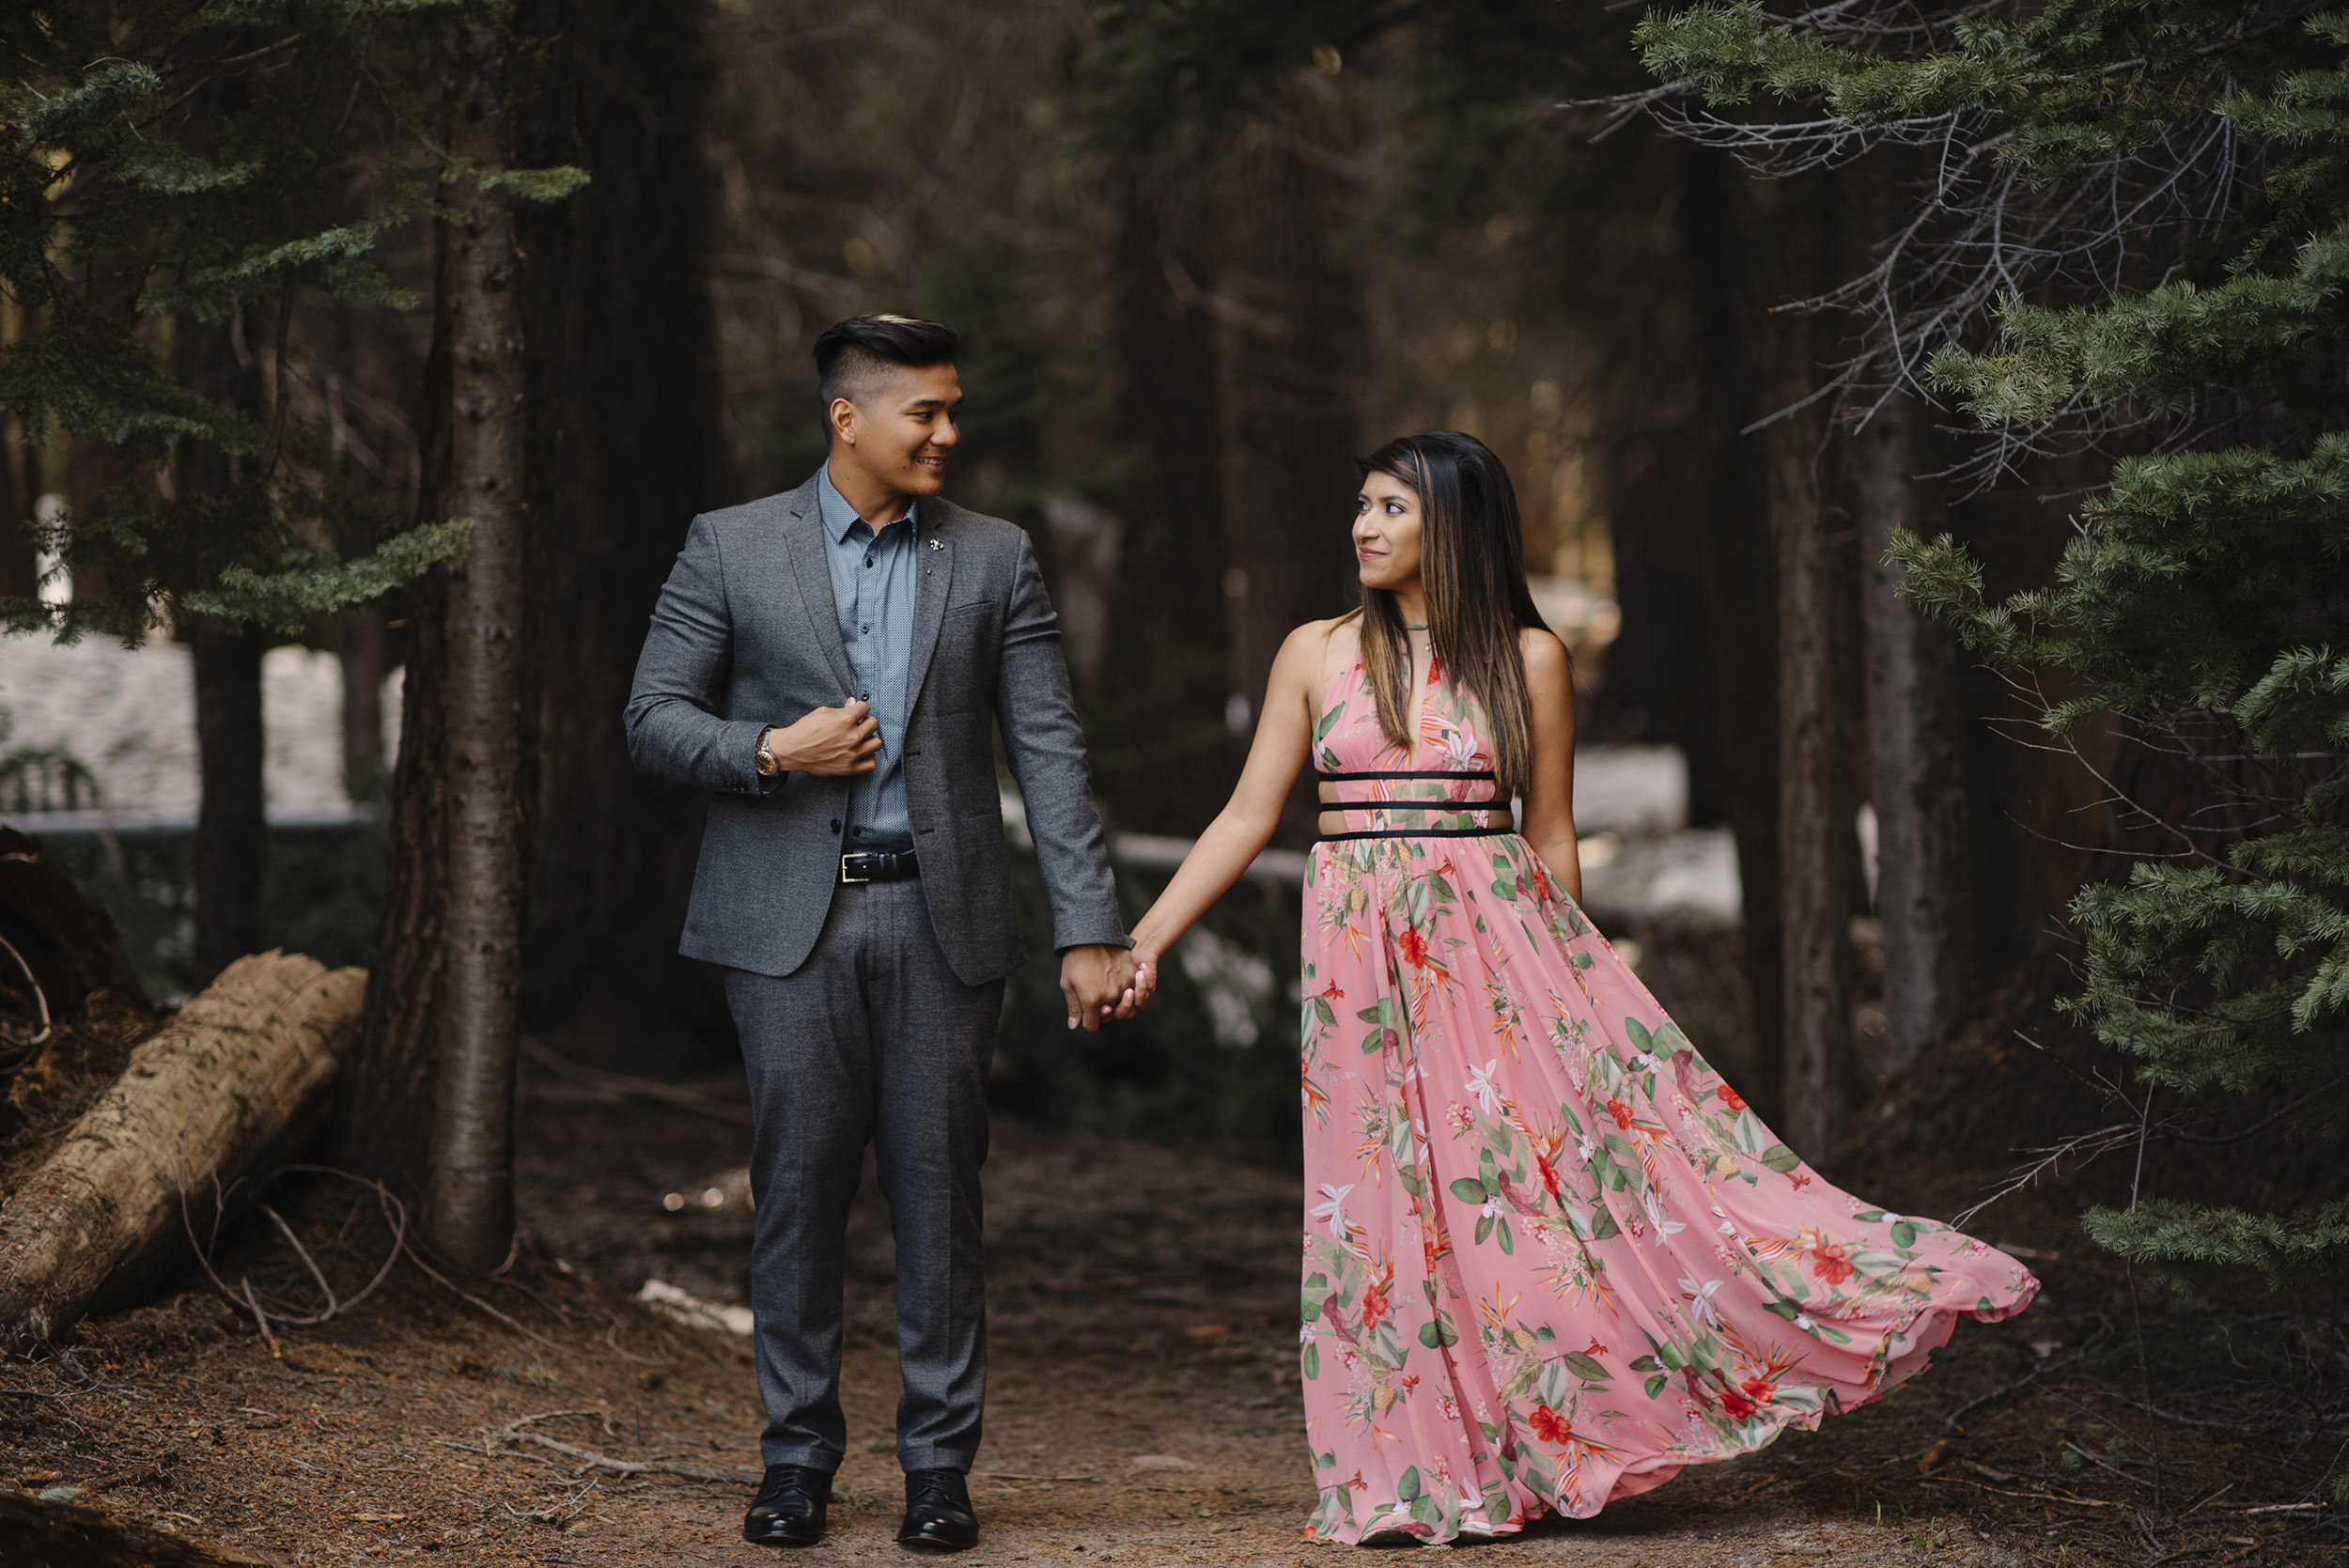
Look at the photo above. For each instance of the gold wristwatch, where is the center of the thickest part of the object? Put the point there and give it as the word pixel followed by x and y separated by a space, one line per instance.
pixel 768 764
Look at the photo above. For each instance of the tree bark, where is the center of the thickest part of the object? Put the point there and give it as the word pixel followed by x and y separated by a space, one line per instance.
pixel 1291 352
pixel 441 1024
pixel 60 1535
pixel 1818 849
pixel 364 641
pixel 1162 748
pixel 643 451
pixel 231 823
pixel 1740 573
pixel 1916 726
pixel 1819 704
pixel 237 1078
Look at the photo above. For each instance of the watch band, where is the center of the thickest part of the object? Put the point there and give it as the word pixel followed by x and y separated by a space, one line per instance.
pixel 765 762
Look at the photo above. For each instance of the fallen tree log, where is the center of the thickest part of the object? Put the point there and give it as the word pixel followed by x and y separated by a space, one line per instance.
pixel 235 1084
pixel 38 1534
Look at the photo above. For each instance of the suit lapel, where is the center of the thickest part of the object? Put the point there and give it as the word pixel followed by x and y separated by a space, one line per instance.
pixel 934 551
pixel 803 544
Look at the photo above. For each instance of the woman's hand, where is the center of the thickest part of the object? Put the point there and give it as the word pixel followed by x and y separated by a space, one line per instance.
pixel 1145 982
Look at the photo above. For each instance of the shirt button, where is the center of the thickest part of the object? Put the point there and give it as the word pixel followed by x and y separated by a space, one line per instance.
pixel 865 630
pixel 835 824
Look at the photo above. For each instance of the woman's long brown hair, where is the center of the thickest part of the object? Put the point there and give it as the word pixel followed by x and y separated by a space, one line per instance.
pixel 1473 571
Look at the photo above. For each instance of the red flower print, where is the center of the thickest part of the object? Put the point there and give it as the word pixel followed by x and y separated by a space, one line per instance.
pixel 1739 1406
pixel 1373 1308
pixel 1549 1179
pixel 1331 991
pixel 1831 1263
pixel 1549 1426
pixel 1596 1349
pixel 1359 1484
pixel 1413 947
pixel 1732 1101
pixel 1620 1112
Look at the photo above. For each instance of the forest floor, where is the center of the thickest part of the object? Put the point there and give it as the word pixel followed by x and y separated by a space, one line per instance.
pixel 1143 1402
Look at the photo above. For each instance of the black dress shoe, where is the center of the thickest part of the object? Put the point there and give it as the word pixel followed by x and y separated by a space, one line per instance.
pixel 938 1512
pixel 789 1509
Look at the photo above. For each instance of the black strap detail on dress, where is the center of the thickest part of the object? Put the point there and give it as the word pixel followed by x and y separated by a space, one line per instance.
pixel 1439 773
pixel 1416 832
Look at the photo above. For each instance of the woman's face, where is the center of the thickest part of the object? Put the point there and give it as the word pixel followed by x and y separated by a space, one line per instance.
pixel 1386 533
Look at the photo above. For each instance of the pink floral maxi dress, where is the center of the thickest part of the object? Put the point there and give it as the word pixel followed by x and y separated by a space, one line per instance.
pixel 1550 1257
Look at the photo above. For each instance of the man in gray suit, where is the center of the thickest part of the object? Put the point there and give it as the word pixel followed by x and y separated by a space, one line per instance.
pixel 831 665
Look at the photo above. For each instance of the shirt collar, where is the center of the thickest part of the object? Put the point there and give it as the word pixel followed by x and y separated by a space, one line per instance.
pixel 838 516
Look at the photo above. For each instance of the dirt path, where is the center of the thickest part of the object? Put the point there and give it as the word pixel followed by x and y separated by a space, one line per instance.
pixel 1143 1410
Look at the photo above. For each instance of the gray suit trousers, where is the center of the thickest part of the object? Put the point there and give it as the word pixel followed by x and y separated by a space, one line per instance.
pixel 872 1039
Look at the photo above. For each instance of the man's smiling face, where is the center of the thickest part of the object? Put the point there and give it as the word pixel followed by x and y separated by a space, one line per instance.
pixel 902 433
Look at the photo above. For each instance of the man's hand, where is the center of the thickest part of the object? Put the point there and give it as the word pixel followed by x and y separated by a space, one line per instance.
pixel 1095 981
pixel 829 740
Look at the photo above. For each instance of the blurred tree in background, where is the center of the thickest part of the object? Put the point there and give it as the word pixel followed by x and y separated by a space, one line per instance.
pixel 2193 154
pixel 179 180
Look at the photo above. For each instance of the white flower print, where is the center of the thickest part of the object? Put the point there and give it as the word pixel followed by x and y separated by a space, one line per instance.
pixel 1333 1208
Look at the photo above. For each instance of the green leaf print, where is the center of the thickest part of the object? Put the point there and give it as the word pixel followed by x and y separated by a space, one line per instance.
pixel 1327 1461
pixel 1311 1363
pixel 1904 1235
pixel 1438 1332
pixel 1545 1334
pixel 1508 1242
pixel 1583 960
pixel 1780 1158
pixel 1468 1190
pixel 1407 1489
pixel 1647 1363
pixel 1656 1383
pixel 1504 890
pixel 1869 1217
pixel 1330 722
pixel 1636 1034
pixel 1483 1229
pixel 1487 1174
pixel 1327 1014
pixel 1587 1368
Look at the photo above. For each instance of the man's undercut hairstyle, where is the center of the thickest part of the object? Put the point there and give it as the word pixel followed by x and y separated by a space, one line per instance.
pixel 855 358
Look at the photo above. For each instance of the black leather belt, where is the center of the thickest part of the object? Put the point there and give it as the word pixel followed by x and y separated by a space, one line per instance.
pixel 878 866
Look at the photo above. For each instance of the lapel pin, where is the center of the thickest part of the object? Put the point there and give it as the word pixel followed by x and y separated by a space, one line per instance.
pixel 937 544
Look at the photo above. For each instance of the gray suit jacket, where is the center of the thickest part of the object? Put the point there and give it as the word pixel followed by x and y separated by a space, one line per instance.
pixel 746 635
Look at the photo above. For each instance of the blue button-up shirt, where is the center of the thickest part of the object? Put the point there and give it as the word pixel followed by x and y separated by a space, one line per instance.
pixel 873 576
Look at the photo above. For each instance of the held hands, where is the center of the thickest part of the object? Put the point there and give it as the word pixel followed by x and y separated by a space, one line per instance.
pixel 1098 983
pixel 829 741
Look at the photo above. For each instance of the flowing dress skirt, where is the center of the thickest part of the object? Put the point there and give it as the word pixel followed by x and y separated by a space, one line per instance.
pixel 1550 1257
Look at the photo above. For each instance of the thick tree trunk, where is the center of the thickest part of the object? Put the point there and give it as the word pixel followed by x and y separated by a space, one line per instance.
pixel 644 451
pixel 237 1078
pixel 231 825
pixel 1819 702
pixel 1161 750
pixel 1292 357
pixel 469 1205
pixel 1740 577
pixel 1818 847
pixel 1915 726
pixel 442 1020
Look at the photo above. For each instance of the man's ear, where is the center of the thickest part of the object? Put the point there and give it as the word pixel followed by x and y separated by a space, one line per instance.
pixel 844 420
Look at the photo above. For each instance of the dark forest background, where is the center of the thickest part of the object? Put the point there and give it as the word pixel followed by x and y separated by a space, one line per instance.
pixel 1202 257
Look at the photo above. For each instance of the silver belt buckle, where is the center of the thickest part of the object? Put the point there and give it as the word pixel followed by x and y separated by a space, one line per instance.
pixel 848 880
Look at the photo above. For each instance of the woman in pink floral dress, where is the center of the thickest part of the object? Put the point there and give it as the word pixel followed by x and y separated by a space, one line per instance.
pixel 1550 1256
